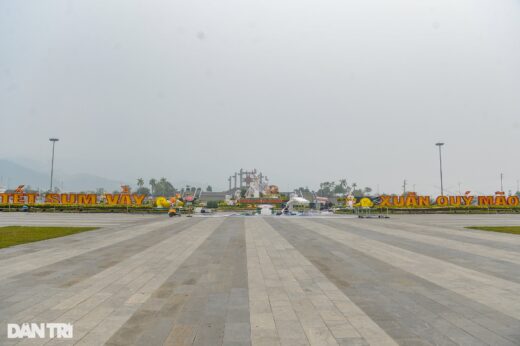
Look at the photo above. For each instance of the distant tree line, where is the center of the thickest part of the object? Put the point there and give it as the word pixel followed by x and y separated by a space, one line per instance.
pixel 332 188
pixel 163 187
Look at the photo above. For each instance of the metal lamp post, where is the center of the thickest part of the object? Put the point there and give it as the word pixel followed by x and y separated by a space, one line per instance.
pixel 53 140
pixel 440 144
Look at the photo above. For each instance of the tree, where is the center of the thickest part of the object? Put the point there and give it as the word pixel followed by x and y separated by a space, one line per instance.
pixel 361 191
pixel 140 182
pixel 355 191
pixel 326 188
pixel 303 190
pixel 164 188
pixel 143 191
pixel 340 188
pixel 153 183
pixel 209 188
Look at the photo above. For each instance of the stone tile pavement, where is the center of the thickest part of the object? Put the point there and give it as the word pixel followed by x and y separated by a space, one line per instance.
pixel 409 280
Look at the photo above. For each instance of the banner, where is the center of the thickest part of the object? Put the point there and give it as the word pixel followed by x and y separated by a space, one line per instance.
pixel 72 199
pixel 415 201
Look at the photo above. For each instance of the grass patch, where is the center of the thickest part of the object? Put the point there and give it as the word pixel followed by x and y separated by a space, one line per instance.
pixel 501 229
pixel 15 235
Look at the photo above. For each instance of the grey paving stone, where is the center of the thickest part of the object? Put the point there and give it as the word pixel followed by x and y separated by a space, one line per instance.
pixel 293 281
pixel 237 332
pixel 202 304
pixel 494 266
pixel 393 298
pixel 353 342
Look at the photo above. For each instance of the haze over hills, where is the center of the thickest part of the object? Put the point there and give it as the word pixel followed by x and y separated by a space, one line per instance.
pixel 13 174
pixel 32 174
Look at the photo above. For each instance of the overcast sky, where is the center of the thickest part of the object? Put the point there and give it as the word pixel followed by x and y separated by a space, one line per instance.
pixel 304 90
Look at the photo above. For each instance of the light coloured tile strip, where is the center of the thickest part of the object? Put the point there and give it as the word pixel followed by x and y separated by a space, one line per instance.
pixel 300 296
pixel 60 219
pixel 109 324
pixel 452 229
pixel 496 293
pixel 481 250
pixel 263 328
pixel 35 247
pixel 40 299
pixel 20 264
pixel 130 281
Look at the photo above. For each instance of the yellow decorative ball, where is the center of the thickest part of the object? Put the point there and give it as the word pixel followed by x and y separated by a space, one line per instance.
pixel 162 202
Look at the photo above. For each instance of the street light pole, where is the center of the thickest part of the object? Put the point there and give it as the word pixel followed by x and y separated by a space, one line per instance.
pixel 53 140
pixel 440 144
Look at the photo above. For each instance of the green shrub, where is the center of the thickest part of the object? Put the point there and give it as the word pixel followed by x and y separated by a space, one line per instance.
pixel 212 204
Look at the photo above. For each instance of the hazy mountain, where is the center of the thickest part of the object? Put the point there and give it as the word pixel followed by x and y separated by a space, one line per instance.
pixel 83 182
pixel 13 174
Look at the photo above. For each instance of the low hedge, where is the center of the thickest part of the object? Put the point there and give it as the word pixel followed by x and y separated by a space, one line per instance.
pixel 439 210
pixel 99 208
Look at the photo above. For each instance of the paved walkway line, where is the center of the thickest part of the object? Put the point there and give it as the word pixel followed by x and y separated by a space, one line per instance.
pixel 174 252
pixel 31 261
pixel 263 329
pixel 37 297
pixel 120 289
pixel 387 294
pixel 482 250
pixel 204 302
pixel 290 293
pixel 449 230
pixel 117 274
pixel 498 294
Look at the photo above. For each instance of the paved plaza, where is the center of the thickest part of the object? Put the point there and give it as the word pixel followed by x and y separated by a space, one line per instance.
pixel 154 280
